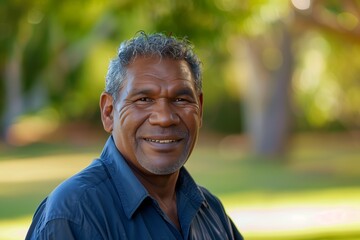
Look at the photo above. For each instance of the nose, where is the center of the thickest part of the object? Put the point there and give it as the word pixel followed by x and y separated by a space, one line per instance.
pixel 163 114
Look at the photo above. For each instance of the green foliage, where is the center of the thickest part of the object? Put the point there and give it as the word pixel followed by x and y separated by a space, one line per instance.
pixel 225 116
pixel 64 47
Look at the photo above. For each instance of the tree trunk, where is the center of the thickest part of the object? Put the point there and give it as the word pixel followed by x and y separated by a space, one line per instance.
pixel 13 91
pixel 267 100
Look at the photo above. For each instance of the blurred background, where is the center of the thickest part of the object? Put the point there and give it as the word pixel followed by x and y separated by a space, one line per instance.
pixel 280 144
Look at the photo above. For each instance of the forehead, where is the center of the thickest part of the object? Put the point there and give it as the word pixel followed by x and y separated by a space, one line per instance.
pixel 159 68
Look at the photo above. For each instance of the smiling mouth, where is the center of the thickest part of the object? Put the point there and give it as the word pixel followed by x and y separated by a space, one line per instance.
pixel 161 141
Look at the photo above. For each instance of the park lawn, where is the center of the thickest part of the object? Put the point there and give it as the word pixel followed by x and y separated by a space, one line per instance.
pixel 314 194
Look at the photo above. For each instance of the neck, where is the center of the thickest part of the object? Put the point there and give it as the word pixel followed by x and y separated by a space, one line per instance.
pixel 162 189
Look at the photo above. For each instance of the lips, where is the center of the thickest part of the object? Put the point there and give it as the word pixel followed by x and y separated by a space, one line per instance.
pixel 162 144
pixel 161 141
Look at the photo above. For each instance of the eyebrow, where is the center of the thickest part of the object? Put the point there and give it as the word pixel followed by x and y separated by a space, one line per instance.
pixel 185 91
pixel 182 91
pixel 135 92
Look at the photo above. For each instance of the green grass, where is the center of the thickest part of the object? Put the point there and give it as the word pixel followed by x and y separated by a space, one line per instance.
pixel 243 173
pixel 318 171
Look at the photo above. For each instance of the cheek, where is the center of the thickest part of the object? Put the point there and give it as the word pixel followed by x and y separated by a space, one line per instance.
pixel 191 117
pixel 130 119
pixel 127 121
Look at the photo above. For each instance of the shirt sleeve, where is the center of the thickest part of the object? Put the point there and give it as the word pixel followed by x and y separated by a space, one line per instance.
pixel 59 229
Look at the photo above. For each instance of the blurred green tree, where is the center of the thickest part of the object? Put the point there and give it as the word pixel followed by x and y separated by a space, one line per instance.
pixel 270 67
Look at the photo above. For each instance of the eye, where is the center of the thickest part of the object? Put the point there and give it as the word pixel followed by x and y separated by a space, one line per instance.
pixel 181 100
pixel 144 99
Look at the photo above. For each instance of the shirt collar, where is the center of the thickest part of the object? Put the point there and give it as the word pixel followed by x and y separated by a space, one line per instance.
pixel 187 185
pixel 131 192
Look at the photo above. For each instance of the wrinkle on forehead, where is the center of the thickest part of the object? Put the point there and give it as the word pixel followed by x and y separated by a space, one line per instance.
pixel 154 67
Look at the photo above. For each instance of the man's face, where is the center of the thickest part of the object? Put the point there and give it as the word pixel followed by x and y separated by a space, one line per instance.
pixel 157 116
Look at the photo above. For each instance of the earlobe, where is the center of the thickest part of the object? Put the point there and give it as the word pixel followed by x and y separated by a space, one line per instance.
pixel 106 108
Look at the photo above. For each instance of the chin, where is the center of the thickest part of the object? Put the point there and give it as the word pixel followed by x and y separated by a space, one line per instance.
pixel 164 170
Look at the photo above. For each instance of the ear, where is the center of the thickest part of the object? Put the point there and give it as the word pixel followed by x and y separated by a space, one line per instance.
pixel 201 107
pixel 107 111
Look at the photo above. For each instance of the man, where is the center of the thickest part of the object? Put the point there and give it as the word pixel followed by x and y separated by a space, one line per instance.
pixel 138 188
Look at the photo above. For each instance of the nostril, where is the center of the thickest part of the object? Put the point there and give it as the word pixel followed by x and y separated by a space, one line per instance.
pixel 163 114
pixel 164 119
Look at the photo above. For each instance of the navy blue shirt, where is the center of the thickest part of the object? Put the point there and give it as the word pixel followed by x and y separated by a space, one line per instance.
pixel 107 201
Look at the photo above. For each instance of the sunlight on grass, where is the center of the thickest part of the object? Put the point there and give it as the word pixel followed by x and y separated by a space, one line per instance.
pixel 14 229
pixel 42 168
pixel 262 215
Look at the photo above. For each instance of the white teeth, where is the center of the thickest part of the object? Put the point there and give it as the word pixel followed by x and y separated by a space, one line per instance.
pixel 160 141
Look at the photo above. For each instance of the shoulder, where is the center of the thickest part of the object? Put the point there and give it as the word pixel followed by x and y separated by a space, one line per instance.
pixel 68 198
pixel 79 205
pixel 215 205
pixel 211 199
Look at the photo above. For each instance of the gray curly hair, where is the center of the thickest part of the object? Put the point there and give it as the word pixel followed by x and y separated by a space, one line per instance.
pixel 157 44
